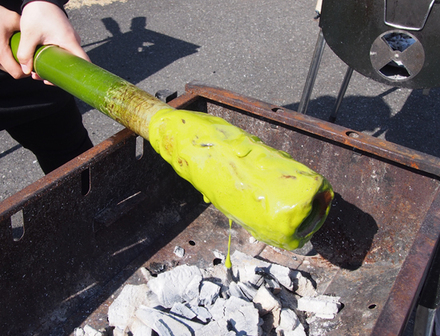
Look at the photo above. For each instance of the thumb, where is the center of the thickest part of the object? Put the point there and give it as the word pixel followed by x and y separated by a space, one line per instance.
pixel 25 53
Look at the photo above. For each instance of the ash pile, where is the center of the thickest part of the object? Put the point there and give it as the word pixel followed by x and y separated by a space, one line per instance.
pixel 258 298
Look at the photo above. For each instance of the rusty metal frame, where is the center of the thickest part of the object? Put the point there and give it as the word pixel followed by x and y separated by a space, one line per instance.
pixel 118 224
pixel 410 279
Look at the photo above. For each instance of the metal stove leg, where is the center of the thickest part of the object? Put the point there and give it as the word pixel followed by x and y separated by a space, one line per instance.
pixel 313 71
pixel 429 300
pixel 341 94
pixel 424 321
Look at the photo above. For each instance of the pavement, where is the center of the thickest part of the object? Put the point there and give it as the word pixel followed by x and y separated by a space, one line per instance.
pixel 259 48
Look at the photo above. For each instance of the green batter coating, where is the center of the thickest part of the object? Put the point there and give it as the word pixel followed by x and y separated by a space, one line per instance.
pixel 278 200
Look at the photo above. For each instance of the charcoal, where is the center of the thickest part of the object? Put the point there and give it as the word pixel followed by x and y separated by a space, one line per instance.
pixel 219 255
pixel 280 273
pixel 265 301
pixel 252 240
pixel 177 285
pixel 292 280
pixel 87 331
pixel 269 308
pixel 323 306
pixel 290 324
pixel 138 328
pixel 288 299
pixel 180 309
pixel 146 274
pixel 249 269
pixel 236 291
pixel 215 328
pixel 166 324
pixel 79 332
pixel 257 298
pixel 248 290
pixel 118 331
pixel 273 285
pixel 202 313
pixel 192 290
pixel 244 267
pixel 216 274
pixel 302 285
pixel 179 251
pixel 245 321
pixel 122 309
pixel 209 292
pixel 240 314
pixel 218 309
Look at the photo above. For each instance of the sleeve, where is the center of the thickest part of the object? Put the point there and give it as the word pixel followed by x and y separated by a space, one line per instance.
pixel 13 5
pixel 17 5
pixel 59 3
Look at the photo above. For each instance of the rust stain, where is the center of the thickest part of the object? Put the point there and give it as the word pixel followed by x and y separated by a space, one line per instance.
pixel 289 177
pixel 182 162
pixel 168 144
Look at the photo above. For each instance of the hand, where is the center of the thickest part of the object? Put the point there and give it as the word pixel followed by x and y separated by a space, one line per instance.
pixel 9 23
pixel 44 23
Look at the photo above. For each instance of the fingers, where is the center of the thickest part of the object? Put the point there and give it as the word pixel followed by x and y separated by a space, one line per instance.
pixel 74 46
pixel 9 64
pixel 43 23
pixel 25 53
pixel 9 23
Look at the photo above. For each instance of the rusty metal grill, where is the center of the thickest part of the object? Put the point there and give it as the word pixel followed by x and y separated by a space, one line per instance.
pixel 90 225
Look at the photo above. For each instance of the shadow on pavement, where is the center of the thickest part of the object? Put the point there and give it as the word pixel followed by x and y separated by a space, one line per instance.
pixel 415 126
pixel 139 53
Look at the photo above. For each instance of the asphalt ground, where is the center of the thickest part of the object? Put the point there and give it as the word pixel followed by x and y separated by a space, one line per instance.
pixel 259 48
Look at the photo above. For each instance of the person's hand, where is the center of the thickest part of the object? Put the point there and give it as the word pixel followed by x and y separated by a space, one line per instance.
pixel 9 23
pixel 44 23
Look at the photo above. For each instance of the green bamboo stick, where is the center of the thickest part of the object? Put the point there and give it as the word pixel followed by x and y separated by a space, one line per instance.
pixel 108 93
pixel 277 199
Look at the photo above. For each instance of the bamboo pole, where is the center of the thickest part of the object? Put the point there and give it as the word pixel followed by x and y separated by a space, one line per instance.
pixel 277 199
pixel 108 93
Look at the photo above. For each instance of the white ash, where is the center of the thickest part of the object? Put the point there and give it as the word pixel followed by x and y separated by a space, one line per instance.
pixel 262 299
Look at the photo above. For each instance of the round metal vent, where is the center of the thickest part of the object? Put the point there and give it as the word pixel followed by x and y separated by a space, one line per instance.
pixel 397 55
pixel 392 42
